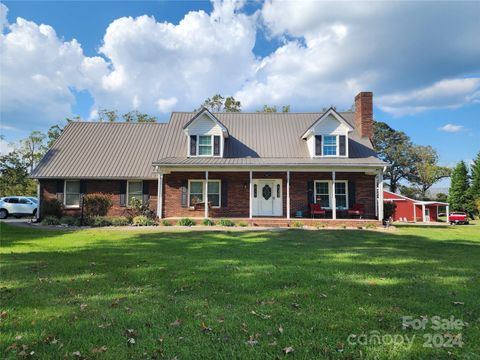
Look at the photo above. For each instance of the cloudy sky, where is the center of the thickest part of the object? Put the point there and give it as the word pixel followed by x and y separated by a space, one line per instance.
pixel 421 60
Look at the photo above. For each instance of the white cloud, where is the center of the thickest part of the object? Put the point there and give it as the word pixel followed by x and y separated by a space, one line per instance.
pixel 5 147
pixel 451 128
pixel 166 105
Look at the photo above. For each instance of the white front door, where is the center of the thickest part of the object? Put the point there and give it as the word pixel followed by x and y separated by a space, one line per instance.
pixel 427 214
pixel 267 197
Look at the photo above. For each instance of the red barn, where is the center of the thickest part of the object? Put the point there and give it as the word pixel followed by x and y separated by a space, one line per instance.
pixel 413 210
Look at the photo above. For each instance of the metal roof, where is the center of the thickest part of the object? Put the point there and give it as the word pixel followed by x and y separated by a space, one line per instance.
pixel 128 150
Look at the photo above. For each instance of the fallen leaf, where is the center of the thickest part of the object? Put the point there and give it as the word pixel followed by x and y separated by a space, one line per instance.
pixel 288 350
pixel 99 350
pixel 458 303
pixel 322 295
pixel 3 314
pixel 77 354
pixel 251 341
pixel 280 329
pixel 205 328
pixel 83 306
pixel 177 322
pixel 131 342
pixel 18 337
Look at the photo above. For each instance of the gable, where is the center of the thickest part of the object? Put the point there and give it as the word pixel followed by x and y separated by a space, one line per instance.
pixel 330 125
pixel 203 125
pixel 327 117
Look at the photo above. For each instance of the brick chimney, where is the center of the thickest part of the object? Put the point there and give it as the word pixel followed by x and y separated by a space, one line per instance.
pixel 364 114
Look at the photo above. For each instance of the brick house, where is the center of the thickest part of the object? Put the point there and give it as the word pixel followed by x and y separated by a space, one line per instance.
pixel 243 165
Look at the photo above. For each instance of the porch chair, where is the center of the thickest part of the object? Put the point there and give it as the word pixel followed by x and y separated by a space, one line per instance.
pixel 356 210
pixel 316 209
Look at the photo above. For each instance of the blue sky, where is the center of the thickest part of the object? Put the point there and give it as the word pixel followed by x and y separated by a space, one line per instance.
pixel 164 56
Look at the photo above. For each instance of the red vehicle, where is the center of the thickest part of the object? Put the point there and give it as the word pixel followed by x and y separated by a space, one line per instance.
pixel 458 218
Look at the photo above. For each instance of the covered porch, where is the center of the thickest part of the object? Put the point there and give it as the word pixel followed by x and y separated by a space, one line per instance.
pixel 271 195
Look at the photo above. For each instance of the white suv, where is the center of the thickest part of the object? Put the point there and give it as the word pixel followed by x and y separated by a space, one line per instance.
pixel 18 206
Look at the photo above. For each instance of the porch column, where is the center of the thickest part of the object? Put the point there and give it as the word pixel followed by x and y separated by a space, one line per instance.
pixel 380 196
pixel 414 213
pixel 250 196
pixel 447 211
pixel 288 194
pixel 39 194
pixel 205 192
pixel 376 196
pixel 334 200
pixel 160 196
pixel 423 213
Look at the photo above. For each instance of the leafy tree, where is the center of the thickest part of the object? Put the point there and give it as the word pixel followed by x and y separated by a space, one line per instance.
pixel 395 148
pixel 137 116
pixel 14 178
pixel 441 197
pixel 217 103
pixel 273 109
pixel 458 195
pixel 32 149
pixel 107 115
pixel 56 130
pixel 475 187
pixel 410 192
pixel 426 170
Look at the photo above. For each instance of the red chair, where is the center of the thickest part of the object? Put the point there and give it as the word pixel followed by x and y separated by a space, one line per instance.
pixel 356 210
pixel 316 209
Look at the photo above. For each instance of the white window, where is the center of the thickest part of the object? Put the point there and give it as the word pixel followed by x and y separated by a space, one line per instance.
pixel 134 190
pixel 205 145
pixel 72 193
pixel 323 194
pixel 196 192
pixel 329 145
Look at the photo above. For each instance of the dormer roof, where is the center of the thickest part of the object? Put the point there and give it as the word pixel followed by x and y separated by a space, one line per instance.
pixel 205 111
pixel 330 112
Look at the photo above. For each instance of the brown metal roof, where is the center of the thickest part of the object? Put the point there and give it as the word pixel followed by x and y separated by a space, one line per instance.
pixel 128 150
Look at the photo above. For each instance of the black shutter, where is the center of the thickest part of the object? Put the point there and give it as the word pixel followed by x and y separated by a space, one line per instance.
pixel 318 145
pixel 60 185
pixel 184 193
pixel 351 194
pixel 342 145
pixel 224 186
pixel 310 192
pixel 193 145
pixel 123 192
pixel 146 192
pixel 216 145
pixel 83 186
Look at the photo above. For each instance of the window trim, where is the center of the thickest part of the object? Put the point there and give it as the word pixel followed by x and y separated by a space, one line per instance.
pixel 205 196
pixel 197 153
pixel 330 197
pixel 337 143
pixel 65 195
pixel 128 191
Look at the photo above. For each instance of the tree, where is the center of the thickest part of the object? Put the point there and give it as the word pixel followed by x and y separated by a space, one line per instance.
pixel 395 148
pixel 458 195
pixel 273 109
pixel 217 103
pixel 410 192
pixel 14 178
pixel 32 149
pixel 137 116
pixel 56 130
pixel 441 197
pixel 475 187
pixel 426 170
pixel 107 115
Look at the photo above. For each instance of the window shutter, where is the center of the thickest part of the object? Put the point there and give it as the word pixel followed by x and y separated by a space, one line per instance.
pixel 184 193
pixel 351 194
pixel 318 145
pixel 224 186
pixel 123 192
pixel 342 145
pixel 145 192
pixel 60 186
pixel 216 145
pixel 310 192
pixel 193 145
pixel 83 186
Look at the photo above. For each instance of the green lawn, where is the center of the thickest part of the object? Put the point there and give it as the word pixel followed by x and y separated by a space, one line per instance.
pixel 235 295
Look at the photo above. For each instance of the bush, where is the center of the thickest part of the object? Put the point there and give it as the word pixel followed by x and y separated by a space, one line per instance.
pixel 166 223
pixel 120 221
pixel 389 209
pixel 136 207
pixel 99 221
pixel 208 222
pixel 226 222
pixel 297 224
pixel 142 220
pixel 185 222
pixel 242 223
pixel 97 204
pixel 87 221
pixel 68 220
pixel 50 220
pixel 51 208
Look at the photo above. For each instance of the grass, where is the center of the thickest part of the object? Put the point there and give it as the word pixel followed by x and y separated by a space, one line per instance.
pixel 234 295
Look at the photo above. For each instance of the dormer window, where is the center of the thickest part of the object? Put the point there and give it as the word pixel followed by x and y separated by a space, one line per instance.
pixel 329 145
pixel 204 145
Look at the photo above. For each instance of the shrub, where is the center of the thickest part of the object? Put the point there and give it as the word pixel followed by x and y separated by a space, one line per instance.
pixel 136 207
pixel 226 222
pixel 102 221
pixel 297 224
pixel 97 204
pixel 68 220
pixel 166 223
pixel 87 221
pixel 185 222
pixel 50 220
pixel 120 221
pixel 242 223
pixel 142 220
pixel 371 226
pixel 51 208
pixel 389 209
pixel 208 222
